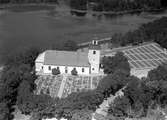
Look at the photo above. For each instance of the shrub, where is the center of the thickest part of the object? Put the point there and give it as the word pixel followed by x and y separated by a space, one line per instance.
pixel 116 63
pixel 74 72
pixel 55 71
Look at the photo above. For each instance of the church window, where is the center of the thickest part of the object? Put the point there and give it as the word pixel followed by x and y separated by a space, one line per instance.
pixel 83 70
pixel 49 67
pixel 93 69
pixel 42 67
pixel 94 52
pixel 66 71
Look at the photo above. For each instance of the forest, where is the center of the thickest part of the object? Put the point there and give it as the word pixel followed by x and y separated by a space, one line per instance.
pixel 153 31
pixel 101 5
pixel 117 5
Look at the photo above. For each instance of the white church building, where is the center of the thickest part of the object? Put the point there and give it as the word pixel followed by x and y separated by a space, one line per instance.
pixel 142 58
pixel 84 63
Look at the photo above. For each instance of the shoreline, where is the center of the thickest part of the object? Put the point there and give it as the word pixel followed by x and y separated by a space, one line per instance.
pixel 120 12
pixel 54 6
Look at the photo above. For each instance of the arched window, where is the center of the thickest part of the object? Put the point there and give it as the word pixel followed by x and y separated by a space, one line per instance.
pixel 83 70
pixel 49 67
pixel 94 52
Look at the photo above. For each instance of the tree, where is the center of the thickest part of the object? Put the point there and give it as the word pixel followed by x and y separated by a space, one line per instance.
pixel 24 98
pixel 36 105
pixel 120 107
pixel 56 71
pixel 157 83
pixel 112 83
pixel 78 4
pixel 83 114
pixel 30 55
pixel 76 102
pixel 18 68
pixel 74 72
pixel 117 62
pixel 116 39
pixel 140 96
pixel 27 56
pixel 4 111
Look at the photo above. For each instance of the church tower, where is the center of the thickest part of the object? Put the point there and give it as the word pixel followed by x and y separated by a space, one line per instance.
pixel 94 57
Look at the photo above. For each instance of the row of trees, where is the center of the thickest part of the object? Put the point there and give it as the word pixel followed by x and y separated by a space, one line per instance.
pixel 117 5
pixel 102 5
pixel 153 31
pixel 17 86
pixel 56 71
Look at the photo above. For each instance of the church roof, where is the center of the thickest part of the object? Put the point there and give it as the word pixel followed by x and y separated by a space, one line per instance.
pixel 66 58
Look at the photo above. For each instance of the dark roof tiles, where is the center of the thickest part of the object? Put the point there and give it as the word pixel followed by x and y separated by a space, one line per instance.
pixel 66 58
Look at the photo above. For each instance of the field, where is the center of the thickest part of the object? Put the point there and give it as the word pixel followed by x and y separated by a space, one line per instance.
pixel 147 56
pixel 144 56
pixel 51 84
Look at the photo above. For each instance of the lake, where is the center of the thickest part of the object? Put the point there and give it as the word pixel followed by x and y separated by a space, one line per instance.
pixel 46 29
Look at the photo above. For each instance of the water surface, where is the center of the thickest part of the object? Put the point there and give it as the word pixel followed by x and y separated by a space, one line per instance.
pixel 47 29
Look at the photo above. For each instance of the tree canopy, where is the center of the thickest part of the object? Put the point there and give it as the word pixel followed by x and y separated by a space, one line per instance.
pixel 117 5
pixel 55 71
pixel 78 102
pixel 142 95
pixel 18 68
pixel 115 63
pixel 152 31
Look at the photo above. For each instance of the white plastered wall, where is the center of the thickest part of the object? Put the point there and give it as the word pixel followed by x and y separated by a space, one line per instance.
pixel 69 69
pixel 39 62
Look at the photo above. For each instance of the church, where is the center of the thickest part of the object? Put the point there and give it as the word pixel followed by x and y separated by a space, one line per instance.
pixel 85 63
pixel 142 58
